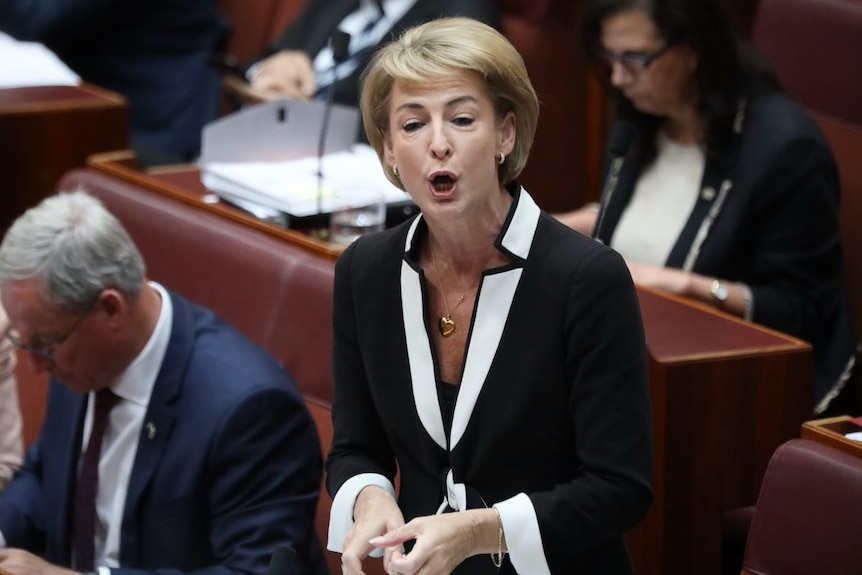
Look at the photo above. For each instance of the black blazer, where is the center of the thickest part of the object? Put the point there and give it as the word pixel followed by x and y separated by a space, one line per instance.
pixel 319 19
pixel 552 421
pixel 767 216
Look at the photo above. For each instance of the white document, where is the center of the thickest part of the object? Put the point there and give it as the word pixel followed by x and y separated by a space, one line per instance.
pixel 24 64
pixel 292 186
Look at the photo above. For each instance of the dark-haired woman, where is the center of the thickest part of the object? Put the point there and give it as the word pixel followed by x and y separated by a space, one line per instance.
pixel 727 192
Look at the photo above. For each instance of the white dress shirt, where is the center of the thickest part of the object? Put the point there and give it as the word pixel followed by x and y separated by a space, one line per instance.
pixel 120 444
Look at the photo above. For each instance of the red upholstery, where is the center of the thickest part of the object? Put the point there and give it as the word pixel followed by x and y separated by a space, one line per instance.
pixel 255 24
pixel 277 294
pixel 846 142
pixel 544 32
pixel 557 163
pixel 557 12
pixel 815 47
pixel 808 516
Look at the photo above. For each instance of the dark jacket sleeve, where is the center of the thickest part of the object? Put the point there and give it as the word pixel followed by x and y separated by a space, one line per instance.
pixel 610 409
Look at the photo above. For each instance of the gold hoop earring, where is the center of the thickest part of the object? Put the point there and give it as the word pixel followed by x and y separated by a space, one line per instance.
pixel 502 158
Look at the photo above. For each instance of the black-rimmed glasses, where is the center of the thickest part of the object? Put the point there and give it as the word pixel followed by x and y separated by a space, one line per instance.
pixel 633 62
pixel 46 352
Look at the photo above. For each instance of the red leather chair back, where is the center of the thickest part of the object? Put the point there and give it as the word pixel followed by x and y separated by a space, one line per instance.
pixel 845 140
pixel 815 48
pixel 544 32
pixel 808 516
pixel 278 295
pixel 254 24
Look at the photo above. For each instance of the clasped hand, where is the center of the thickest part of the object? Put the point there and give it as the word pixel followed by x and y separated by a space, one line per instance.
pixel 441 541
pixel 286 74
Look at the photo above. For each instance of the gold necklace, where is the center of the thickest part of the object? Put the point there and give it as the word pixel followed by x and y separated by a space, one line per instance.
pixel 446 324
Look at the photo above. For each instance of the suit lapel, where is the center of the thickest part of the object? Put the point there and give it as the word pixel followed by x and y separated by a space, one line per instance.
pixel 158 425
pixel 70 452
pixel 419 350
pixel 493 301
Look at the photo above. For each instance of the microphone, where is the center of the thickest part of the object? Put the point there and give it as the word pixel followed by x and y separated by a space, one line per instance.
pixel 618 146
pixel 282 560
pixel 340 43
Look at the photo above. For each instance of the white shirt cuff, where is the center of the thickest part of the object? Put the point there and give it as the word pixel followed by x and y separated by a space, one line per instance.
pixel 523 540
pixel 341 512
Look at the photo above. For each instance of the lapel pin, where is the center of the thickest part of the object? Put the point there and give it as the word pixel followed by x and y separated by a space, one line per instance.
pixel 708 193
pixel 151 430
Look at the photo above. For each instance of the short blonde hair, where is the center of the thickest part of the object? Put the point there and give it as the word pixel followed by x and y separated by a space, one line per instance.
pixel 438 49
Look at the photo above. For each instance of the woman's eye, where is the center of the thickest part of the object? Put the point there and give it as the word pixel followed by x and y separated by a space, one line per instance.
pixel 411 126
pixel 463 121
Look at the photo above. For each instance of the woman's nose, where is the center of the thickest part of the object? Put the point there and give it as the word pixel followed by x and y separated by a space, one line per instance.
pixel 440 146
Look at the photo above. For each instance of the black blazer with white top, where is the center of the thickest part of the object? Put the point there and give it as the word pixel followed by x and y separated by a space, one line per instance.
pixel 767 216
pixel 552 422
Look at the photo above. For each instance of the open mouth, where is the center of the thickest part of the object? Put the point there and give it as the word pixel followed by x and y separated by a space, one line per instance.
pixel 443 182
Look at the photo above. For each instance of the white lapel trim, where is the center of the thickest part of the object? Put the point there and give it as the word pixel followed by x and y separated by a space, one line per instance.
pixel 519 235
pixel 493 301
pixel 422 373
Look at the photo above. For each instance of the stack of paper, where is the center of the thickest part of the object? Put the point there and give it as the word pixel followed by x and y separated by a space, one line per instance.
pixel 293 187
pixel 24 64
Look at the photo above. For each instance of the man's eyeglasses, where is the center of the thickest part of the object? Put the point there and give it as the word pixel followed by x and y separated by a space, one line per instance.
pixel 46 352
pixel 633 62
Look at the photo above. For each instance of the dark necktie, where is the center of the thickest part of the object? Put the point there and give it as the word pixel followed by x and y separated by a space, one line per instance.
pixel 88 484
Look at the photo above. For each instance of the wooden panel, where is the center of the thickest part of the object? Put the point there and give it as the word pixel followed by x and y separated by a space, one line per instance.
pixel 831 432
pixel 725 395
pixel 48 131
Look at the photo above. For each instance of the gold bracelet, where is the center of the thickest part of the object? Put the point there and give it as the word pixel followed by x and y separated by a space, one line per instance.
pixel 497 558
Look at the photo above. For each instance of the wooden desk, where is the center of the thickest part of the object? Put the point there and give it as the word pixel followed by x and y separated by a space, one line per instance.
pixel 831 432
pixel 48 130
pixel 183 182
pixel 725 395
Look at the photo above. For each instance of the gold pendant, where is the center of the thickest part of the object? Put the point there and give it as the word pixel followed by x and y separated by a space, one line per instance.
pixel 446 326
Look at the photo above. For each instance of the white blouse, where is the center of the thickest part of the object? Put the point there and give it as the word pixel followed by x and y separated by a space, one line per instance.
pixel 661 204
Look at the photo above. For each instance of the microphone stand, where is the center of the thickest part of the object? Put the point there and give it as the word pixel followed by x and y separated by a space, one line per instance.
pixel 340 43
pixel 619 143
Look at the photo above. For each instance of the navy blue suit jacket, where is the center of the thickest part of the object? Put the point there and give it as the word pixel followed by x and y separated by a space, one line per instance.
pixel 233 469
pixel 156 53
